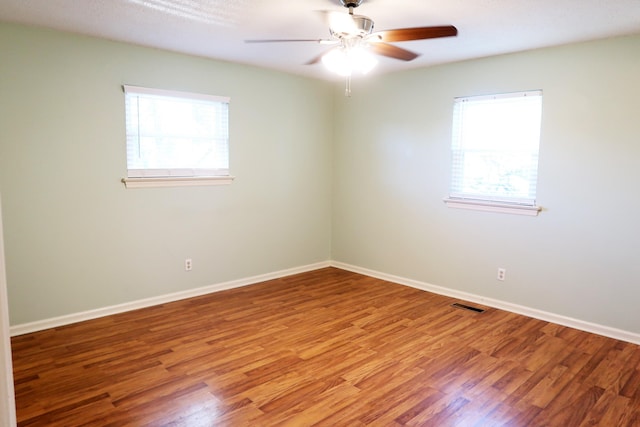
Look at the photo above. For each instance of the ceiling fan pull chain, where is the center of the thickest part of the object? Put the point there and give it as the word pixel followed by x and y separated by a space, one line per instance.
pixel 347 90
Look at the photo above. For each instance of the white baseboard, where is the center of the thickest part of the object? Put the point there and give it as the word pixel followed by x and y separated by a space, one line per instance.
pixel 514 308
pixel 162 299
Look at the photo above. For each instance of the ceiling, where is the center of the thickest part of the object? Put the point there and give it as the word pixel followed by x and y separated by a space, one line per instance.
pixel 218 28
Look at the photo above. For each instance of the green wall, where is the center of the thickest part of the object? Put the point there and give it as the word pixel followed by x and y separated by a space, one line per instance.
pixel 77 240
pixel 579 258
pixel 358 180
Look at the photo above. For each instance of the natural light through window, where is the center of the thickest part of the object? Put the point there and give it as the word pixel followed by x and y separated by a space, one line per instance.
pixel 176 134
pixel 494 149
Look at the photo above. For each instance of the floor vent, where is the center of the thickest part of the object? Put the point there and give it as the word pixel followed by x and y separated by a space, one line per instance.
pixel 467 307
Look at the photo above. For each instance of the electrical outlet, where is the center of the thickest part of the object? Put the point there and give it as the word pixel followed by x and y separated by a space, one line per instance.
pixel 188 264
pixel 501 274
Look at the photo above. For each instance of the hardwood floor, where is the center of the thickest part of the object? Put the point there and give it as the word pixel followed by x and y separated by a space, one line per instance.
pixel 330 348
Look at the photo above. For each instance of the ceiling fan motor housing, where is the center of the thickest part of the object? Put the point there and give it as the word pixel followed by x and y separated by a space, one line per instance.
pixel 363 26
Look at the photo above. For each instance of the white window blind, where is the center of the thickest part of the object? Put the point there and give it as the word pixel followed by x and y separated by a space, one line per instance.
pixel 176 134
pixel 495 143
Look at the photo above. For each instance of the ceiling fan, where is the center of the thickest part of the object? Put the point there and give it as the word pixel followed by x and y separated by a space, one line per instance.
pixel 355 40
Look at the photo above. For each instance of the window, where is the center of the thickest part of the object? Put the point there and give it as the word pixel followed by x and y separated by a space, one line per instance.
pixel 494 149
pixel 176 138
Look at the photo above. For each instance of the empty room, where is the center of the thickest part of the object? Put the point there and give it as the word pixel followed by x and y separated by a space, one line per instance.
pixel 320 212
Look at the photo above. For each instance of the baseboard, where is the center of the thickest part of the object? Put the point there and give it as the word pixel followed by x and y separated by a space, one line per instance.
pixel 503 305
pixel 162 299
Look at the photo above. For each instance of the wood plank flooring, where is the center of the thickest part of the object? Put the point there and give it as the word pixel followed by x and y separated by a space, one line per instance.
pixel 329 348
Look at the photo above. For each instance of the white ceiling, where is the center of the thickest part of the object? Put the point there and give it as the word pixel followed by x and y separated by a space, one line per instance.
pixel 218 28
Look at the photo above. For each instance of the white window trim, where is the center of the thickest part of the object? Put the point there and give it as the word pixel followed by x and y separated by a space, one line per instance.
pixel 490 206
pixel 150 178
pixel 177 181
pixel 511 206
pixel 181 94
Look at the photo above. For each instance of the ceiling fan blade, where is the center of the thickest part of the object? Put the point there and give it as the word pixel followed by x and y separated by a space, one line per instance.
pixel 392 51
pixel 341 23
pixel 338 22
pixel 418 33
pixel 315 59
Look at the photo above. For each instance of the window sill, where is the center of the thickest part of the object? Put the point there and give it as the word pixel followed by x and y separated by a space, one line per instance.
pixel 488 206
pixel 177 181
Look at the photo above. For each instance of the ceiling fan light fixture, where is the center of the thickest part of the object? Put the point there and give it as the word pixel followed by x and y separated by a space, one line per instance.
pixel 336 61
pixel 345 61
pixel 362 60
